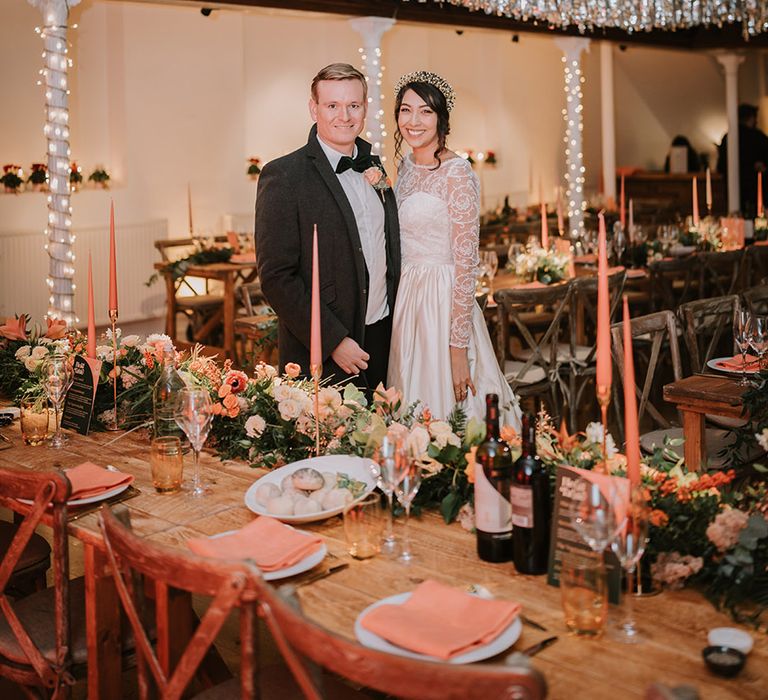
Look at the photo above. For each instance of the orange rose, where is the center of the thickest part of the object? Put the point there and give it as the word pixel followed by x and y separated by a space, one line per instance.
pixel 230 401
pixel 225 390
pixel 470 469
pixel 658 518
pixel 292 370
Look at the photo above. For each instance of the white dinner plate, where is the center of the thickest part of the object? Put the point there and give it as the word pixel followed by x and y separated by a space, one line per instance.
pixel 712 364
pixel 305 564
pixel 91 499
pixel 357 468
pixel 368 639
pixel 680 251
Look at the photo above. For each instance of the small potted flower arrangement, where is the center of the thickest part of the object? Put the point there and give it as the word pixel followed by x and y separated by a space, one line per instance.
pixel 38 178
pixel 490 158
pixel 253 168
pixel 75 176
pixel 539 265
pixel 11 178
pixel 99 177
pixel 761 228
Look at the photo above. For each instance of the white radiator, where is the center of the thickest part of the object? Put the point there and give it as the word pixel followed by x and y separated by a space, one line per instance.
pixel 24 266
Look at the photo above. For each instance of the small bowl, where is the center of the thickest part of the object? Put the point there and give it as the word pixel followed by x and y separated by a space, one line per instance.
pixel 724 661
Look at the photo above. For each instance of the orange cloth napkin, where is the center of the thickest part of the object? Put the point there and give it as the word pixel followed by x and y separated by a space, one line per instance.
pixel 441 621
pixel 89 479
pixel 735 363
pixel 530 285
pixel 243 257
pixel 587 259
pixel 636 273
pixel 268 542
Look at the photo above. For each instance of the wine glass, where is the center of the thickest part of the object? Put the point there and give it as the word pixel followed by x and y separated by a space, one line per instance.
pixel 513 251
pixel 759 339
pixel 742 336
pixel 385 479
pixel 619 243
pixel 593 514
pixel 628 547
pixel 491 259
pixel 57 378
pixel 407 472
pixel 193 415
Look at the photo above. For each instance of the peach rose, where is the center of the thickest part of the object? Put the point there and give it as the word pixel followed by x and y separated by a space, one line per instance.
pixel 292 370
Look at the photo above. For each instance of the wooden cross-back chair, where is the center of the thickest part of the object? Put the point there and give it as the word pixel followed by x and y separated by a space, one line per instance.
pixel 36 641
pixel 673 282
pixel 755 264
pixel 251 327
pixel 580 357
pixel 719 273
pixel 756 298
pixel 659 331
pixel 299 638
pixel 539 335
pixel 166 570
pixel 707 328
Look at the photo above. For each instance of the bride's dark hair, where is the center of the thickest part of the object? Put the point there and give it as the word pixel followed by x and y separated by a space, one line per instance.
pixel 436 102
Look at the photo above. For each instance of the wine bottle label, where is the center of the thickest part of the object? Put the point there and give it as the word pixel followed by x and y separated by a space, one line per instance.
pixel 493 512
pixel 522 506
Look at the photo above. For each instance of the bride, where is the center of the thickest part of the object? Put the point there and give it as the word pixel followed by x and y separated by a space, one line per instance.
pixel 440 353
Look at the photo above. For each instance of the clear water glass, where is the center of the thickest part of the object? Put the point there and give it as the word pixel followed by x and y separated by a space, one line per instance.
pixel 407 483
pixel 593 515
pixel 194 417
pixel 490 259
pixel 759 339
pixel 629 547
pixel 386 481
pixel 57 378
pixel 742 338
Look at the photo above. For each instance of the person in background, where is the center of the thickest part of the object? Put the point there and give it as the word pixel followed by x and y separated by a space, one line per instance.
pixel 694 163
pixel 753 157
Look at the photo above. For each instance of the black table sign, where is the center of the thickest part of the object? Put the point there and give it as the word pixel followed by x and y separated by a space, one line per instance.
pixel 78 408
pixel 567 541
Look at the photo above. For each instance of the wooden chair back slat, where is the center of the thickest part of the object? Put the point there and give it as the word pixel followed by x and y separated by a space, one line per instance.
pixel 48 490
pixel 673 281
pixel 707 325
pixel 719 273
pixel 402 677
pixel 228 583
pixel 755 264
pixel 756 298
pixel 660 329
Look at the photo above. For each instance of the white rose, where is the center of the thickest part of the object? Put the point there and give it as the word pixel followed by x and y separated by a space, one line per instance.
pixel 31 364
pixel 130 341
pixel 418 441
pixel 289 409
pixel 439 427
pixel 762 439
pixel 104 352
pixel 158 338
pixel 282 392
pixel 23 352
pixel 62 346
pixel 255 426
pixel 448 438
pixel 264 371
pixel 39 352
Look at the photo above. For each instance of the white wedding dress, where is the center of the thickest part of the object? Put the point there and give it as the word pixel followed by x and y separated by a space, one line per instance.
pixel 435 307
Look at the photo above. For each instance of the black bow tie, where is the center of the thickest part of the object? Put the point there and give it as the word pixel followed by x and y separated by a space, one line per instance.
pixel 359 164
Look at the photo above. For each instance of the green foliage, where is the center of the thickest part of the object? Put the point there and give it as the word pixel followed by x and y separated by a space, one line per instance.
pixel 178 268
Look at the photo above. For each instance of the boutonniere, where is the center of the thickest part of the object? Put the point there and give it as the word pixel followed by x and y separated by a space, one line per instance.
pixel 377 178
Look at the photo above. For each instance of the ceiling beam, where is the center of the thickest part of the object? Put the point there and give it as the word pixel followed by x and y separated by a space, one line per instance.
pixel 700 38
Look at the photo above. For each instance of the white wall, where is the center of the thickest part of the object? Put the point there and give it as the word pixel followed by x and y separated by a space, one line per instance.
pixel 163 97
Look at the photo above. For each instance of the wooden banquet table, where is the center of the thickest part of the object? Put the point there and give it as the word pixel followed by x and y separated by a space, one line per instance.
pixel 229 273
pixel 675 623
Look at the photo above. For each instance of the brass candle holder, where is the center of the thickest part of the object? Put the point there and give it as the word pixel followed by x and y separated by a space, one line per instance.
pixel 113 424
pixel 604 399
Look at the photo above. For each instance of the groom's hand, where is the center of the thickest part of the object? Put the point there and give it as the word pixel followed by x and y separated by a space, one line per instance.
pixel 350 356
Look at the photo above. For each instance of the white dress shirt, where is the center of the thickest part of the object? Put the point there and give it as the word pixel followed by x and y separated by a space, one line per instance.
pixel 369 216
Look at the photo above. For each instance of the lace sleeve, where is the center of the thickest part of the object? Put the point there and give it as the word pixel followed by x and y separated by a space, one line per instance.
pixel 463 193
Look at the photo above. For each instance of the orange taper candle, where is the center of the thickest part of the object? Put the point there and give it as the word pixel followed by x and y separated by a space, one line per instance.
pixel 315 341
pixel 91 339
pixel 695 201
pixel 759 193
pixel 603 378
pixel 189 209
pixel 622 215
pixel 708 193
pixel 544 228
pixel 631 428
pixel 560 221
pixel 112 262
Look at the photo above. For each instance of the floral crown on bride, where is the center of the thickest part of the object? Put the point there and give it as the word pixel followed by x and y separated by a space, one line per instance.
pixel 424 76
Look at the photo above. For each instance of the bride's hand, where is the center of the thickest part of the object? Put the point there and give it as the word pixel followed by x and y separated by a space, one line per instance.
pixel 462 380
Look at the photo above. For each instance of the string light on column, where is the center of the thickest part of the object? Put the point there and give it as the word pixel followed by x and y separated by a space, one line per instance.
pixel 58 233
pixel 572 114
pixel 371 29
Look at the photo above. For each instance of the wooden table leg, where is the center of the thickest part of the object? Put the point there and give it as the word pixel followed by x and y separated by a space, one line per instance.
pixel 102 611
pixel 229 315
pixel 695 449
pixel 170 306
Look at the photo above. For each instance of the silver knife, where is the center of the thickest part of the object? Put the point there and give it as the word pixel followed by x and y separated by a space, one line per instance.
pixel 322 574
pixel 536 648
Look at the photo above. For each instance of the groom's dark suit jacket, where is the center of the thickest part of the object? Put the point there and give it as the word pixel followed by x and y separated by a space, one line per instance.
pixel 296 192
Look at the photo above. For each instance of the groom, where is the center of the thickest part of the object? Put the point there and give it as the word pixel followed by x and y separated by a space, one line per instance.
pixel 335 183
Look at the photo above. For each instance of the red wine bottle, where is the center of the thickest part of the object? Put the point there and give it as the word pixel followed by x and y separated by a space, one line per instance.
pixel 493 478
pixel 531 509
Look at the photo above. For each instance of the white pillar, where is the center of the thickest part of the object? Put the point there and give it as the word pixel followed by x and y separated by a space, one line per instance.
pixel 371 29
pixel 572 48
pixel 608 120
pixel 61 258
pixel 730 63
